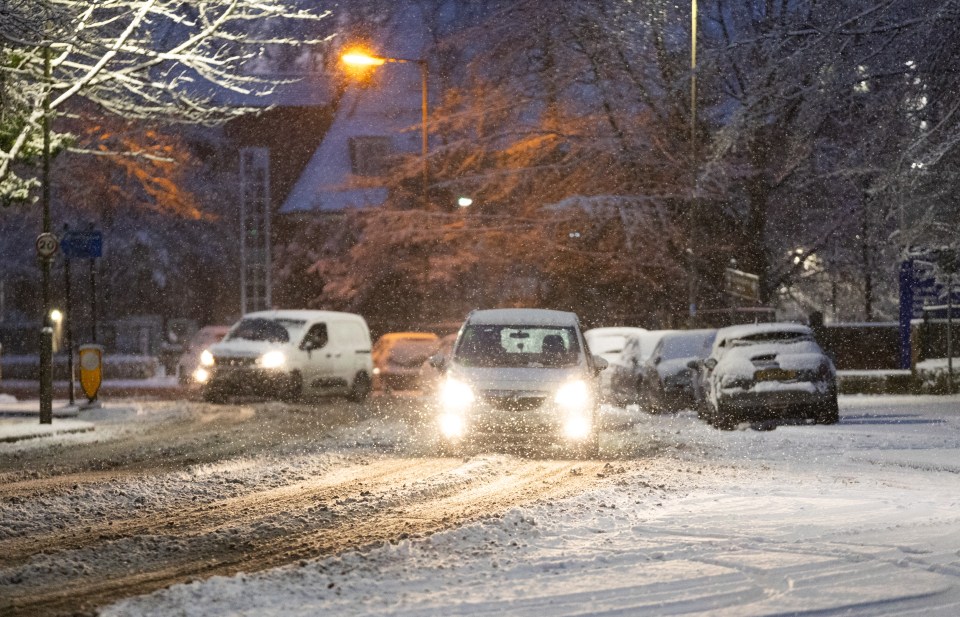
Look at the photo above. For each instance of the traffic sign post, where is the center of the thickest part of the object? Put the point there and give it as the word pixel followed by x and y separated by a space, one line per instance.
pixel 740 284
pixel 46 245
pixel 82 244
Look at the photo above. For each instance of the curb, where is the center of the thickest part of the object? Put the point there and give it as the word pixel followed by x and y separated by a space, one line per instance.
pixel 11 432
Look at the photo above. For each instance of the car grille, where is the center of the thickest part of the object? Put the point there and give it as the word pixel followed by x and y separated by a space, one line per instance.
pixel 513 402
pixel 231 362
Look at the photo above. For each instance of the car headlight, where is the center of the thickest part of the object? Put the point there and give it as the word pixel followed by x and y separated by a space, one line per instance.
pixel 272 359
pixel 452 425
pixel 206 358
pixel 455 395
pixel 201 375
pixel 573 395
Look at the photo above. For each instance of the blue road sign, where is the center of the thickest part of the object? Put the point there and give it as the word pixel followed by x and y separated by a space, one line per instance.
pixel 922 284
pixel 82 244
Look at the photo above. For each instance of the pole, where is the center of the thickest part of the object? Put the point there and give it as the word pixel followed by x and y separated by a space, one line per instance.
pixel 692 250
pixel 950 333
pixel 423 130
pixel 67 322
pixel 93 301
pixel 46 330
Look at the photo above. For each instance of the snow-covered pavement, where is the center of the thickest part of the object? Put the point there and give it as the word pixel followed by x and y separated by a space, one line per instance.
pixel 861 518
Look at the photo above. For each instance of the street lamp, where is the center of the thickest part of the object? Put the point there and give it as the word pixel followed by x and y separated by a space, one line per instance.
pixel 362 59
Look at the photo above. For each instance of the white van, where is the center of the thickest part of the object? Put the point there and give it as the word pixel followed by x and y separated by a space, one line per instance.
pixel 289 354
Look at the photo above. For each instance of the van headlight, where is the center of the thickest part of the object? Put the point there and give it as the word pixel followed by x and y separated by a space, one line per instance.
pixel 206 358
pixel 272 359
pixel 573 395
pixel 455 395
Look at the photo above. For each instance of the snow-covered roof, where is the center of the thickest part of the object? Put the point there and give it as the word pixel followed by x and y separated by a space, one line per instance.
pixel 523 317
pixel 387 106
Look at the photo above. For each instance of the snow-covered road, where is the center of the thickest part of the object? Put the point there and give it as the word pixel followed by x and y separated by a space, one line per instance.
pixel 861 518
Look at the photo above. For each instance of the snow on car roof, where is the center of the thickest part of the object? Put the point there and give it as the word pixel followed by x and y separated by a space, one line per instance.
pixel 523 316
pixel 741 331
pixel 299 314
pixel 623 331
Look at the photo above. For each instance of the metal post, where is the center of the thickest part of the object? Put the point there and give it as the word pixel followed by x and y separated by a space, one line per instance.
pixel 93 301
pixel 68 325
pixel 423 130
pixel 950 333
pixel 694 205
pixel 46 331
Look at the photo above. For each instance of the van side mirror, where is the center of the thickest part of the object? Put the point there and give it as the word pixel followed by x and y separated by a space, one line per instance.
pixel 599 364
pixel 438 362
pixel 710 363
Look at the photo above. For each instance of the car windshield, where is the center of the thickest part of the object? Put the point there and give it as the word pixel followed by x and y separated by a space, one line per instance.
pixel 270 330
pixel 518 346
pixel 412 352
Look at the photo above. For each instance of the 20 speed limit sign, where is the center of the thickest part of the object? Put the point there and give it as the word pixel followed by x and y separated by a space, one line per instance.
pixel 47 245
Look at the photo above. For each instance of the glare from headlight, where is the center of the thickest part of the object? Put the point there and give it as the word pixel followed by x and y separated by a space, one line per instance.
pixel 573 395
pixel 577 427
pixel 206 358
pixel 201 375
pixel 273 359
pixel 455 395
pixel 451 425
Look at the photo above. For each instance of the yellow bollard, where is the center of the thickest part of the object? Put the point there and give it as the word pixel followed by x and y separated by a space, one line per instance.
pixel 91 370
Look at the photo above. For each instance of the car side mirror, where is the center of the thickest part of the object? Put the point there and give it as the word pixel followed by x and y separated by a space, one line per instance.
pixel 710 363
pixel 657 360
pixel 438 362
pixel 599 364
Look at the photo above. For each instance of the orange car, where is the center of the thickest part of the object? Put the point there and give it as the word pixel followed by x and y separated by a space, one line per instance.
pixel 397 357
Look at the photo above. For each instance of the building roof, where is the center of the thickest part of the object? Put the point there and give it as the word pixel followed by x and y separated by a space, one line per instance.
pixel 388 105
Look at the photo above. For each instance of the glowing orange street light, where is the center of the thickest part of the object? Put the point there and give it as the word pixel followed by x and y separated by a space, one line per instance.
pixel 360 58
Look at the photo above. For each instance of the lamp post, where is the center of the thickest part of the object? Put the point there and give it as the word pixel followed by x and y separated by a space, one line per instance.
pixel 363 59
pixel 694 205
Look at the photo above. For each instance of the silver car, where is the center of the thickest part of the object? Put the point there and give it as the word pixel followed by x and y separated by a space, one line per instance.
pixel 521 374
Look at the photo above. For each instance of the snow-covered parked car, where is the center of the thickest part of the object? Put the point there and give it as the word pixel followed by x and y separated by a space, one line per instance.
pixel 766 372
pixel 287 354
pixel 608 343
pixel 626 374
pixel 669 382
pixel 520 374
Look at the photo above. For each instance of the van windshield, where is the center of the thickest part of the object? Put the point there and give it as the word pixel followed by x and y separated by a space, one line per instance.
pixel 496 346
pixel 270 330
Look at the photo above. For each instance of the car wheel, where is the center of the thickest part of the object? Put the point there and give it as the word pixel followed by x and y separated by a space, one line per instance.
pixel 294 389
pixel 361 388
pixel 724 418
pixel 448 448
pixel 830 414
pixel 214 395
pixel 589 449
pixel 638 394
